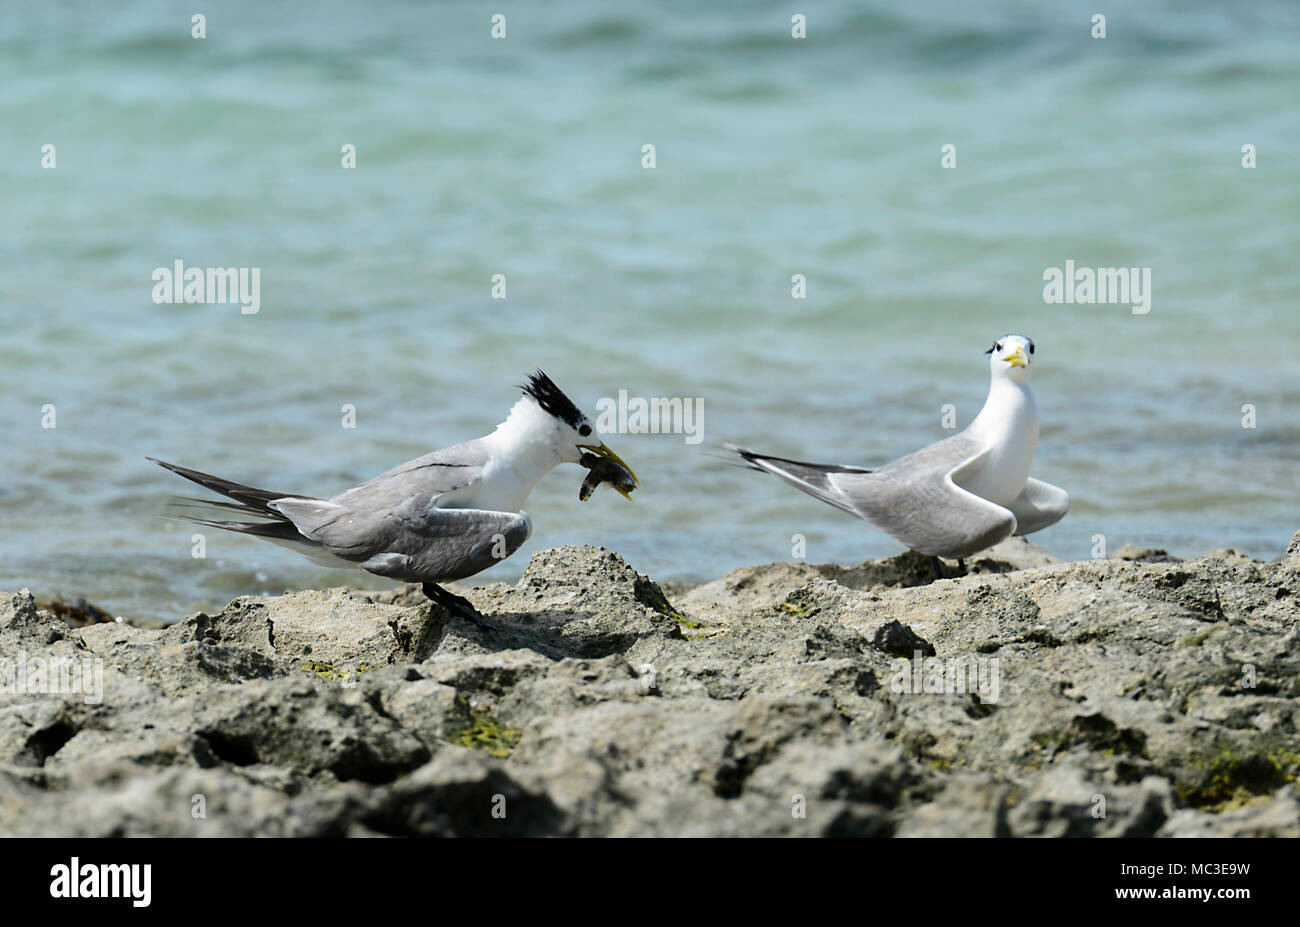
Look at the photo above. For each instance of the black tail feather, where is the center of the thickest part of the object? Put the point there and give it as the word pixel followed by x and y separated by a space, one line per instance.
pixel 193 502
pixel 264 529
pixel 252 498
pixel 752 456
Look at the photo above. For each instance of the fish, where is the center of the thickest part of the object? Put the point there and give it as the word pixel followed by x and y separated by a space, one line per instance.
pixel 604 470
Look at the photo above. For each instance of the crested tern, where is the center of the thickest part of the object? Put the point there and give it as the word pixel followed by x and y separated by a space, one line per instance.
pixel 441 517
pixel 959 495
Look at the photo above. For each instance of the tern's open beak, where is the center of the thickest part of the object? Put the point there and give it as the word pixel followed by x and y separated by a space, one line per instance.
pixel 1017 358
pixel 602 450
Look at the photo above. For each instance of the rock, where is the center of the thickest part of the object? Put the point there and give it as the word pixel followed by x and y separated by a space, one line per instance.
pixel 1144 554
pixel 146 802
pixel 1010 555
pixel 24 627
pixel 461 793
pixel 33 731
pixel 289 722
pixel 1277 815
pixel 1069 801
pixel 971 805
pixel 337 628
pixel 1137 695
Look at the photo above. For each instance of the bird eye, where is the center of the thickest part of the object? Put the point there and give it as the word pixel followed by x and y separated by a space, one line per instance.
pixel 1031 347
pixel 998 346
pixel 584 430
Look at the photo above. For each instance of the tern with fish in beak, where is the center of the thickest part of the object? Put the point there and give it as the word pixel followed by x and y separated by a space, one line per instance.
pixel 959 495
pixel 441 517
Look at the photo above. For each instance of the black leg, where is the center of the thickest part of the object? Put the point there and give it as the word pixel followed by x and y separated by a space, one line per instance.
pixel 961 565
pixel 938 568
pixel 456 605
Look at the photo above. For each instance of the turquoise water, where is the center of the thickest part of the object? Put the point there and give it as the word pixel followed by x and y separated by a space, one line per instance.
pixel 522 157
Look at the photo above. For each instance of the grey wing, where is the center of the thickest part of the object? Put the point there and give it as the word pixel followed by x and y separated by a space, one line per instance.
pixel 1039 505
pixel 917 499
pixel 414 541
pixel 394 526
pixel 435 474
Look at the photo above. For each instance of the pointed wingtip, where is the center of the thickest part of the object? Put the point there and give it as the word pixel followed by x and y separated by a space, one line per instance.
pixel 737 449
pixel 728 460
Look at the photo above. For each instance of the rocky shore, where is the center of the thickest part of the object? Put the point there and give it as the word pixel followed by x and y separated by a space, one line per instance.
pixel 1140 695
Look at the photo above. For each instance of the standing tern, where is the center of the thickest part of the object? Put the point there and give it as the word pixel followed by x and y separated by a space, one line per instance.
pixel 438 518
pixel 959 495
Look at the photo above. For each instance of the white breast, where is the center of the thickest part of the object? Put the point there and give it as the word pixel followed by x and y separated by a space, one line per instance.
pixel 1008 428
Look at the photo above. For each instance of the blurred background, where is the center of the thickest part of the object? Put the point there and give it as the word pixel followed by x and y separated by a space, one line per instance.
pixel 522 157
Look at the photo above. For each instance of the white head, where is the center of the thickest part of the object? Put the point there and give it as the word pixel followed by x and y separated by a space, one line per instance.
pixel 548 423
pixel 1011 357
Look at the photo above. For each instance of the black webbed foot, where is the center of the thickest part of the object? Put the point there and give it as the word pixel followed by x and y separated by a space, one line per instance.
pixel 456 605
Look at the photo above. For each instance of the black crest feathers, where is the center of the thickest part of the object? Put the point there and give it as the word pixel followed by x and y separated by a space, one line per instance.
pixel 552 399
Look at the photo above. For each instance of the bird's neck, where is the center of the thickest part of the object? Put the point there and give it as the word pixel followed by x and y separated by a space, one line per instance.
pixel 521 451
pixel 1010 405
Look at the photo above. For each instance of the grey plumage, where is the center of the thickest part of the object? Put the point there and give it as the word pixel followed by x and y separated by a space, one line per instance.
pixel 389 525
pixel 914 499
pixel 959 495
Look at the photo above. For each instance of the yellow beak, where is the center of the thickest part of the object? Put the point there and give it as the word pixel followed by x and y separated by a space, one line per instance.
pixel 602 450
pixel 1017 359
